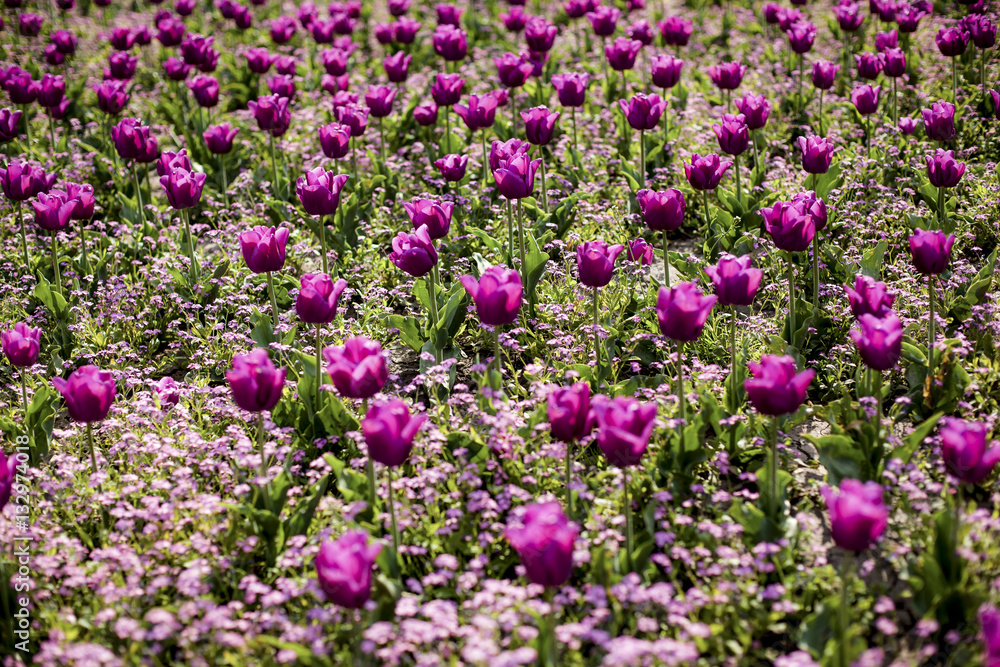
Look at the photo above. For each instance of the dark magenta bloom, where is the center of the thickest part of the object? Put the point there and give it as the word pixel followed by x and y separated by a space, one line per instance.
pixel 425 114
pixel 543 538
pixel 775 388
pixel 943 170
pixel 121 38
pixel 603 20
pixel 676 30
pixel 515 178
pixel 448 15
pixel 666 71
pixel 271 113
pixel 397 66
pixel 83 195
pixel 727 76
pixel 571 88
pixel 176 69
pixel 639 251
pixel 319 191
pixel 169 161
pixel 641 31
pixel 624 426
pixel 595 262
pixel 817 153
pixel 869 65
pixel 10 122
pixel 497 294
pixel 515 19
pixel 480 113
pixel 815 207
pixel 643 111
pixel 682 311
pixel 282 29
pixel 219 138
pixel 318 298
pixel 865 99
pixel 357 368
pixel 53 212
pixel 931 251
pixel 621 53
pixel 432 215
pixel 791 227
pixel 335 140
pixel 858 515
pixel 848 16
pixel 389 429
pixel 205 90
pixel 447 89
pixel 952 41
pixel 939 121
pixel 21 181
pixel 452 167
pixel 354 117
pixel 405 30
pixel 661 211
pixel 966 451
pixel 8 477
pixel 263 248
pixel 705 173
pixel 379 100
pixel 88 393
pixel 183 188
pixel 21 87
pixel 52 89
pixel 29 25
pixel 282 85
pixel 895 63
pixel 755 110
pixel 513 70
pixel 450 42
pixel 824 74
pixel 733 134
pixel 540 35
pixel 64 41
pixel 111 97
pixel 195 49
pixel 981 30
pixel 414 253
pixel 801 35
pixel 21 345
pixel 886 40
pixel 121 66
pixel 879 340
pixel 869 296
pixel 735 280
pixel 259 59
pixel 255 383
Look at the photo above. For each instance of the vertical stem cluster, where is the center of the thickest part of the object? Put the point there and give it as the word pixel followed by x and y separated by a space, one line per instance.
pixel 628 524
pixel 680 384
pixel 791 298
pixel 274 300
pixel 597 339
pixel 392 513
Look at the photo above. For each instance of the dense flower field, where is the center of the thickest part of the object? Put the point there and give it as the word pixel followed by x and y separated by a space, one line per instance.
pixel 579 333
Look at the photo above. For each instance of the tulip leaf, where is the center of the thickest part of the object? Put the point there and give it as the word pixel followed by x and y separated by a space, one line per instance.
pixel 409 330
pixel 828 181
pixel 871 261
pixel 40 419
pixel 488 240
pixel 305 510
pixel 54 301
pixel 841 456
pixel 917 437
pixel 534 261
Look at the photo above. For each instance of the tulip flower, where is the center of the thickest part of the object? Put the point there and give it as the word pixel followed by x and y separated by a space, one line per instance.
pixel 21 181
pixel 865 100
pixel 263 251
pixel 858 515
pixel 869 296
pixel 734 137
pixel 943 171
pixel 879 340
pixel 335 140
pixel 344 569
pixel 966 451
pixel 21 345
pixel 939 122
pixel 397 66
pixel 736 283
pixel 540 35
pixel 357 368
pixel 676 31
pixel 931 253
pixel 569 420
pixel 595 262
pixel 183 189
pixel 666 73
pixel 272 116
pixel 640 252
pixel 705 173
pixel 624 426
pixel 8 476
pixel 317 304
pixel 727 77
pixel 479 115
pixel 435 216
pixel 792 227
pixel 88 394
pixel 452 167
pixel 952 42
pixel 219 141
pixel 10 121
pixel 255 383
pixel 755 111
pixel 543 538
pixel 497 295
pixel 682 311
pixel 319 192
pixel 450 43
pixel 415 254
pixel 817 153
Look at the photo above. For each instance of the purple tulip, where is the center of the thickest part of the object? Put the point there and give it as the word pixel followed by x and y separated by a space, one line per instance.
pixel 450 43
pixel 907 125
pixel 425 114
pixel 255 383
pixel 813 206
pixel 195 49
pixel 886 40
pixel 379 100
pixel 939 121
pixel 354 117
pixel 603 20
pixel 397 66
pixel 775 388
pixel 480 113
pixel 858 515
pixel 624 426
pixel 801 35
pixel 824 74
pixel 452 167
pixel 405 30
pixel 205 90
pixel 434 216
pixel 447 89
pixel 259 59
pixel 682 311
pixel 666 71
pixel 571 88
pixel 170 32
pixel 515 178
pixel 869 65
pixel 282 85
pixel 88 393
pixel 8 477
pixel 540 35
pixel 849 16
pixel 183 188
pixel 733 134
pixel 29 25
pixel 569 412
pixel 543 538
pixel 735 280
pixel 169 161
pixel 53 212
pixel 318 298
pixel 83 196
pixel 790 226
pixel 389 429
pixel 595 262
pixel 51 90
pixel 895 63
pixel 621 53
pixel 639 251
pixel 943 170
pixel 643 111
pixel 64 41
pixel 20 181
pixel 931 251
pixel 966 452
pixel 21 345
pixel 10 122
pixel 817 153
pixel 952 42
pixel 219 138
pixel 264 248
pixel 879 340
pixel 21 87
pixel 675 30
pixel 513 70
pixel 121 66
pixel 448 15
pixel 981 30
pixel 344 569
pixel 111 97
pixel 869 296
pixel 319 191
pixel 661 211
pixel 540 124
pixel 497 294
pixel 865 99
pixel 640 31
pixel 414 253
pixel 705 173
pixel 357 368
pixel 282 29
pixel 176 69
pixel 754 109
pixel 514 20
pixel 727 76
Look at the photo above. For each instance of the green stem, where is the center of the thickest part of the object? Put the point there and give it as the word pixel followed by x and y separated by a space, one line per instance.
pixel 569 471
pixel 642 158
pixel 895 110
pixel 190 244
pixel 322 245
pixel 27 126
pixel 24 238
pixel 83 251
pixel 486 161
pixel 392 515
pixel 447 132
pixel 225 181
pixel 819 119
pixel 843 657
pixel 433 314
pixel 354 162
pixel 90 443
pixel 868 135
pixel 680 385
pixel 573 116
pixel 954 85
pixel 772 463
pixel 274 167
pixel 708 218
pixel 138 194
pixel 666 264
pixel 735 406
pixel 371 463
pixel 381 142
pixel 545 191
pixel 959 501
pixel 878 409
pixel 319 367
pixel 942 214
pixel 496 349
pixel 816 271
pixel 513 113
pixel 520 237
pixel 739 189
pixel 510 230
pixel 52 133
pixel 930 327
pixel 274 300
pixel 597 340
pixel 628 525
pixel 55 263
pixel 791 299
pixel 261 441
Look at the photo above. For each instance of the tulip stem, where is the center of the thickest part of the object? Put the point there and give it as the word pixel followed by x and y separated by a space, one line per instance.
pixel 496 349
pixel 274 300
pixel 708 218
pixel 642 159
pixel 510 230
pixel 90 443
pixel 597 343
pixel 433 314
pixel 27 124
pixel 190 244
pixel 274 167
pixel 772 473
pixel 878 411
pixel 569 471
pixel 52 133
pixel 959 501
pixel 225 181
pixel 24 238
pixel 447 131
pixel 735 406
pixel 739 188
pixel 680 386
pixel 319 367
pixel 513 113
pixel 895 111
pixel 485 158
pixel 868 135
pixel 798 86
pixel 524 263
pixel 381 141
pixel 942 213
pixel 83 251
pixel 842 649
pixel 138 194
pixel 573 116
pixel 628 524
pixel 816 271
pixel 354 162
pixel 954 86
pixel 666 264
pixel 545 193
pixel 930 328
pixel 819 118
pixel 55 263
pixel 392 515
pixel 371 463
pixel 791 299
pixel 261 438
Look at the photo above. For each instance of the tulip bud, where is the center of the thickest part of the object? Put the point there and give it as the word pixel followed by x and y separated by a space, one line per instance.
pixel 21 345
pixel 254 381
pixel 775 388
pixel 735 280
pixel 389 429
pixel 569 412
pixel 682 311
pixel 88 393
pixel 497 295
pixel 344 569
pixel 624 426
pixel 879 340
pixel 931 251
pixel 318 297
pixel 543 538
pixel 357 368
pixel 858 515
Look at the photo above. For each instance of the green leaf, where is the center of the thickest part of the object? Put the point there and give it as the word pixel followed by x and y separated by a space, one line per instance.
pixel 409 330
pixel 871 261
pixel 534 261
pixel 917 437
